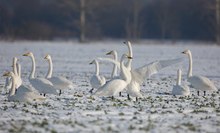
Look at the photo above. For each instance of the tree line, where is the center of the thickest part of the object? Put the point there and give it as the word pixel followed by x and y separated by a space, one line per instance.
pixel 98 19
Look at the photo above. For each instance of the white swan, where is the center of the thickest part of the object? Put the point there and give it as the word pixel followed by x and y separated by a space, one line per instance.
pixel 140 74
pixel 115 57
pixel 114 86
pixel 43 85
pixel 18 80
pixel 17 70
pixel 96 80
pixel 200 83
pixel 60 83
pixel 179 89
pixel 21 95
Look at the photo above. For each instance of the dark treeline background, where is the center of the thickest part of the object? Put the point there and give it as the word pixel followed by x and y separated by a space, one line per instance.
pixel 133 19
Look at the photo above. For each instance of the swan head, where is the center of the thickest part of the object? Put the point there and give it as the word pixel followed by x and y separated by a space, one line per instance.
pixel 186 52
pixel 8 74
pixel 113 52
pixel 127 43
pixel 93 62
pixel 126 56
pixel 15 59
pixel 47 57
pixel 28 54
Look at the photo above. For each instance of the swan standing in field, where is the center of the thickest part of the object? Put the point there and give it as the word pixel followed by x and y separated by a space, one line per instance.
pixel 22 94
pixel 60 83
pixel 140 74
pixel 116 85
pixel 43 85
pixel 179 89
pixel 200 83
pixel 96 80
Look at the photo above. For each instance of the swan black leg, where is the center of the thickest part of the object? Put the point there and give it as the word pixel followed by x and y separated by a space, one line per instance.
pixel 204 93
pixel 136 99
pixel 60 93
pixel 120 94
pixel 44 94
pixel 112 97
pixel 91 90
pixel 198 93
pixel 129 97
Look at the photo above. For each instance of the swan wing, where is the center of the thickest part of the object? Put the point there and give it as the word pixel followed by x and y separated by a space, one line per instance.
pixel 43 85
pixel 60 82
pixel 22 89
pixel 140 74
pixel 202 83
pixel 111 88
pixel 100 59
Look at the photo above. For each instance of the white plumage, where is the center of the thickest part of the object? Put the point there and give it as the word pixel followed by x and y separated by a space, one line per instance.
pixel 59 82
pixel 43 85
pixel 96 80
pixel 179 89
pixel 139 75
pixel 200 83
pixel 114 86
pixel 23 93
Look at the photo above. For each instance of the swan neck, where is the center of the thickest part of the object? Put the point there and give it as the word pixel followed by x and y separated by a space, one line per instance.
pixel 96 68
pixel 130 53
pixel 190 65
pixel 19 69
pixel 33 67
pixel 114 71
pixel 15 71
pixel 50 70
pixel 123 74
pixel 12 91
pixel 179 75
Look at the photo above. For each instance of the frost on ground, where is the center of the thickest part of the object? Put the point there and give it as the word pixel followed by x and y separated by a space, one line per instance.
pixel 77 111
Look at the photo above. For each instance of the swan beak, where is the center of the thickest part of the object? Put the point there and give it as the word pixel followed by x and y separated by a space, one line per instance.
pixel 45 57
pixel 25 54
pixel 129 57
pixel 91 63
pixel 6 74
pixel 109 53
pixel 183 52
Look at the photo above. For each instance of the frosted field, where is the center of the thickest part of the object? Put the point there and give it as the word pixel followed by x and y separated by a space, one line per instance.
pixel 77 111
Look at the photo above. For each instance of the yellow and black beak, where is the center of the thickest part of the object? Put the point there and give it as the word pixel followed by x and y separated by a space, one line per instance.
pixel 91 63
pixel 6 74
pixel 183 52
pixel 129 57
pixel 109 53
pixel 25 54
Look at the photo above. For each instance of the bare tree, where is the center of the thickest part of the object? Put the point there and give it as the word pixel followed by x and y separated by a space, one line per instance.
pixel 218 21
pixel 82 21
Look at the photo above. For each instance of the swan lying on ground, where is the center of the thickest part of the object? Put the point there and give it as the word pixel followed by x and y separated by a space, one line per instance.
pixel 116 85
pixel 22 94
pixel 16 67
pixel 43 85
pixel 200 83
pixel 179 89
pixel 96 80
pixel 59 82
pixel 17 71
